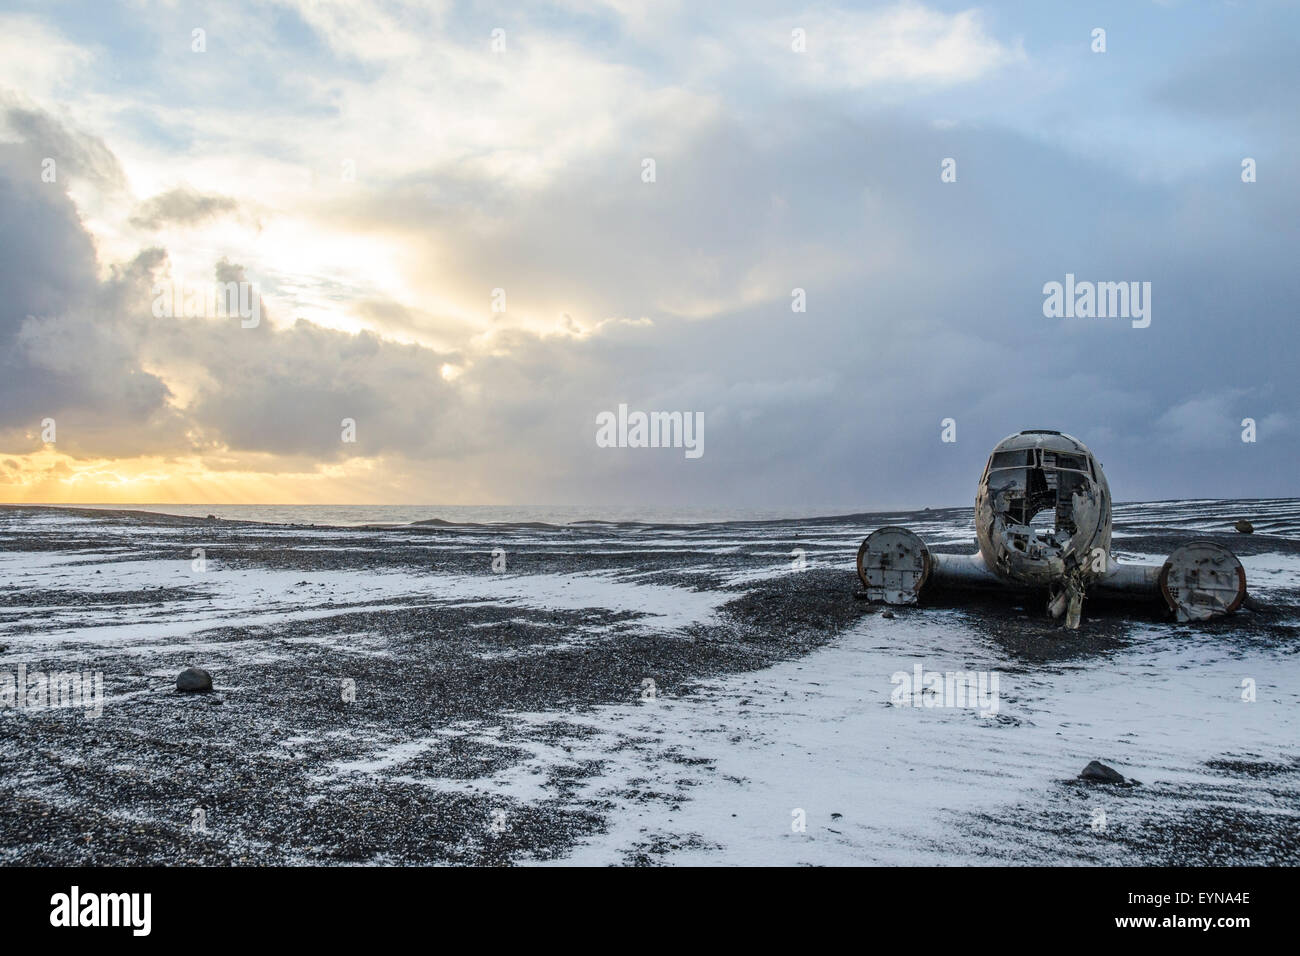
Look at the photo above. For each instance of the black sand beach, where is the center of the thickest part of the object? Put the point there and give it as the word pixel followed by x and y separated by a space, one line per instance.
pixel 489 713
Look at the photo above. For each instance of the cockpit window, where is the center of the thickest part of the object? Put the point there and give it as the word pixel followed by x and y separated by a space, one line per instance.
pixel 1020 486
pixel 1009 482
pixel 1012 459
pixel 1057 460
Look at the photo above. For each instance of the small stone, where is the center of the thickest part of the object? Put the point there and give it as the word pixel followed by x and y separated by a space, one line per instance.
pixel 888 614
pixel 1244 526
pixel 194 680
pixel 1098 772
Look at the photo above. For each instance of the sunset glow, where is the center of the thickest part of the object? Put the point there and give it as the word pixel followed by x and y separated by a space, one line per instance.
pixel 470 232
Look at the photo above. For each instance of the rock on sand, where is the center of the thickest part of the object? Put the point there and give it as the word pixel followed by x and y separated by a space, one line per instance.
pixel 194 680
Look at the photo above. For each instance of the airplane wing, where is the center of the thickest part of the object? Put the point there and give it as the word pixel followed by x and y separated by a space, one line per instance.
pixel 1199 580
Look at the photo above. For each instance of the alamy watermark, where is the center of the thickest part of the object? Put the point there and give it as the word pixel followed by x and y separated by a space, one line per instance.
pixel 1098 300
pixel 921 688
pixel 208 300
pixel 61 689
pixel 651 430
pixel 75 908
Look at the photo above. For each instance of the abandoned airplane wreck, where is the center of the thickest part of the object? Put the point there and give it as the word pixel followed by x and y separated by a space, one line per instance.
pixel 1043 522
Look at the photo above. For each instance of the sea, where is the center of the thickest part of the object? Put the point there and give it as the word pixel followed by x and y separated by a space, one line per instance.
pixel 353 515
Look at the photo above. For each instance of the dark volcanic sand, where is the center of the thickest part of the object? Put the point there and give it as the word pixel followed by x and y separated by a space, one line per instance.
pixel 286 771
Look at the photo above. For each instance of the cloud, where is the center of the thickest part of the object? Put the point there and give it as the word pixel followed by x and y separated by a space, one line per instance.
pixel 75 152
pixel 181 206
pixel 67 351
pixel 372 31
pixel 1214 419
pixel 521 171
pixel 906 43
pixel 37 58
pixel 90 353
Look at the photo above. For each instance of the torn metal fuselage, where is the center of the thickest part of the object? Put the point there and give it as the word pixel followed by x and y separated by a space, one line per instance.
pixel 1042 517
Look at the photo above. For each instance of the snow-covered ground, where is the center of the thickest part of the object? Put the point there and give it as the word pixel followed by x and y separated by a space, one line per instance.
pixel 802 752
pixel 822 736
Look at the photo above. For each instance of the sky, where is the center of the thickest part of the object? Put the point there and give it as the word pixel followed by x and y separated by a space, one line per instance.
pixel 469 229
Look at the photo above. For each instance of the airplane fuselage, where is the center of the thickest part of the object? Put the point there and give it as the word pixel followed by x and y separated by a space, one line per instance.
pixel 1043 510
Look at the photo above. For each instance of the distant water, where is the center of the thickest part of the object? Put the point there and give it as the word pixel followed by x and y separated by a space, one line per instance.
pixel 344 515
pixel 1279 516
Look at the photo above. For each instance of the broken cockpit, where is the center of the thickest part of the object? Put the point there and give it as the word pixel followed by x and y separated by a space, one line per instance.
pixel 1045 500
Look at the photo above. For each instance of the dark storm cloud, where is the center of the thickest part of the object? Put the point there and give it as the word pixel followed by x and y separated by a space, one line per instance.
pixel 287 391
pixel 69 350
pixel 79 349
pixel 939 316
pixel 925 302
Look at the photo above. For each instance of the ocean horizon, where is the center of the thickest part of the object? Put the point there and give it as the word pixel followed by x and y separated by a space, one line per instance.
pixel 355 515
pixel 1226 510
